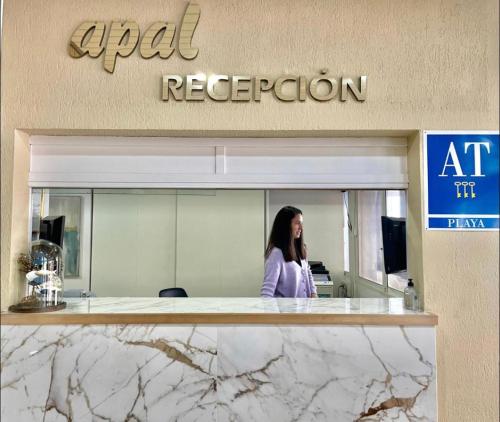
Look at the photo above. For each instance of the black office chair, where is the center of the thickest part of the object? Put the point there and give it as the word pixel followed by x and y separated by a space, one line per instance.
pixel 173 292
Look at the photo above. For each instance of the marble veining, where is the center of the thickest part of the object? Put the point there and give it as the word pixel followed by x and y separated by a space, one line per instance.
pixel 327 373
pixel 359 306
pixel 217 373
pixel 108 373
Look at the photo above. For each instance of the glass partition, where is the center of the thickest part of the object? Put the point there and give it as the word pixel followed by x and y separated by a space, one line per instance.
pixel 371 261
pixel 211 242
pixel 75 205
pixel 396 207
pixel 370 207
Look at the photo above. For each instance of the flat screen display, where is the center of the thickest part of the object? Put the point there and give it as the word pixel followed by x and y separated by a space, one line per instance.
pixel 394 244
pixel 52 229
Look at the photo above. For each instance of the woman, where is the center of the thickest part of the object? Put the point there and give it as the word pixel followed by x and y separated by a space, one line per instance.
pixel 287 273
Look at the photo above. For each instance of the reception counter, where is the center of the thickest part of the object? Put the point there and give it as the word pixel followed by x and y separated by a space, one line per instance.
pixel 219 359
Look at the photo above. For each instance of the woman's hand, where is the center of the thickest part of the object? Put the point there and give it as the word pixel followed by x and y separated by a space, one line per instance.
pixel 313 295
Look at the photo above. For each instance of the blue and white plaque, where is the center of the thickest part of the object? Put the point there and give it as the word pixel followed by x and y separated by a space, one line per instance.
pixel 461 180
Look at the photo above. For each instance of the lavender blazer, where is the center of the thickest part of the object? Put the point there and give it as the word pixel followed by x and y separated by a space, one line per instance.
pixel 286 279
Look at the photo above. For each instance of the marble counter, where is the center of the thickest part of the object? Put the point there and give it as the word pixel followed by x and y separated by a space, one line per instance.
pixel 227 311
pixel 220 372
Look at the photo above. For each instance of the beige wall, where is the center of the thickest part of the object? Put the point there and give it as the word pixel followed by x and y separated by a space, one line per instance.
pixel 430 65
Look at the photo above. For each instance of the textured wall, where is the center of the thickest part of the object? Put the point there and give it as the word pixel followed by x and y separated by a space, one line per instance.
pixel 430 65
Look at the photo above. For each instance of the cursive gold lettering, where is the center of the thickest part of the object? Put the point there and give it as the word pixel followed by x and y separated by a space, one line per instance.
pixel 189 22
pixel 164 46
pixel 302 88
pixel 87 39
pixel 123 38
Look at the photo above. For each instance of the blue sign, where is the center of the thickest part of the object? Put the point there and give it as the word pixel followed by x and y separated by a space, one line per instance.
pixel 462 180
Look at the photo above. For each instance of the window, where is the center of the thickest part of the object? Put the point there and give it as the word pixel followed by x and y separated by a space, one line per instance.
pixel 368 208
pixel 71 208
pixel 371 261
pixel 396 207
pixel 347 229
pixel 211 241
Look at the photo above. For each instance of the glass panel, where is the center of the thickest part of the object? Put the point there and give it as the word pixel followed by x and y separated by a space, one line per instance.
pixel 398 281
pixel 36 212
pixel 56 202
pixel 347 229
pixel 133 242
pixel 396 207
pixel 208 242
pixel 396 203
pixel 370 259
pixel 149 239
pixel 220 240
pixel 71 208
pixel 323 230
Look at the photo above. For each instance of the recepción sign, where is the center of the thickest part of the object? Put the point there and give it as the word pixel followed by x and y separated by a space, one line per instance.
pixel 461 180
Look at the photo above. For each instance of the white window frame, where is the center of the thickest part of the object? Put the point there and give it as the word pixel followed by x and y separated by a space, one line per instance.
pixel 361 286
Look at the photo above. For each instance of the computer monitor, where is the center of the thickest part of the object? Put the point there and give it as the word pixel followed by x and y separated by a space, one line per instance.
pixel 52 229
pixel 394 244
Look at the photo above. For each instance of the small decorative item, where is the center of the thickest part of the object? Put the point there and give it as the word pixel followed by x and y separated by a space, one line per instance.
pixel 45 278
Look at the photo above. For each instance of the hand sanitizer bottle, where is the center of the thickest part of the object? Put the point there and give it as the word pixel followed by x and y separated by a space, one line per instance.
pixel 410 297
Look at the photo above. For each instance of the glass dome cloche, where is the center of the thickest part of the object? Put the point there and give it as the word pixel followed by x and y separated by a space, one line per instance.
pixel 46 280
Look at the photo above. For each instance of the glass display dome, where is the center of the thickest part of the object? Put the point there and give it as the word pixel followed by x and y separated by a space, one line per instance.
pixel 46 280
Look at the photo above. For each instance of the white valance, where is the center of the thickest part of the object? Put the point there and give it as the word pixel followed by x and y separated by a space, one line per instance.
pixel 141 162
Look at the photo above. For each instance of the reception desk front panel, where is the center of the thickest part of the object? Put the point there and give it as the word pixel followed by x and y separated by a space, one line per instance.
pixel 219 372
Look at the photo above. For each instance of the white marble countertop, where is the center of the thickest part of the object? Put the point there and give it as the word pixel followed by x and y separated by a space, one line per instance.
pixel 209 310
pixel 239 305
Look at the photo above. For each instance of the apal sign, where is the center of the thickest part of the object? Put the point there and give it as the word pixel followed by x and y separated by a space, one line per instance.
pixel 461 180
pixel 158 41
pixel 88 39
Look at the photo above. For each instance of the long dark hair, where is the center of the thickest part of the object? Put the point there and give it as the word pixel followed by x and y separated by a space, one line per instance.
pixel 281 236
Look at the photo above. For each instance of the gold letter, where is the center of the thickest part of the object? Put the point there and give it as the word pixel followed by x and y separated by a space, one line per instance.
pixel 238 92
pixel 279 92
pixel 189 22
pixel 174 90
pixel 313 88
pixel 360 94
pixel 302 88
pixel 212 81
pixel 93 46
pixel 115 47
pixel 164 46
pixel 191 86
pixel 258 88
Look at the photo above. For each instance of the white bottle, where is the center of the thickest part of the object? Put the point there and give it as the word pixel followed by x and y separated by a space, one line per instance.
pixel 410 297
